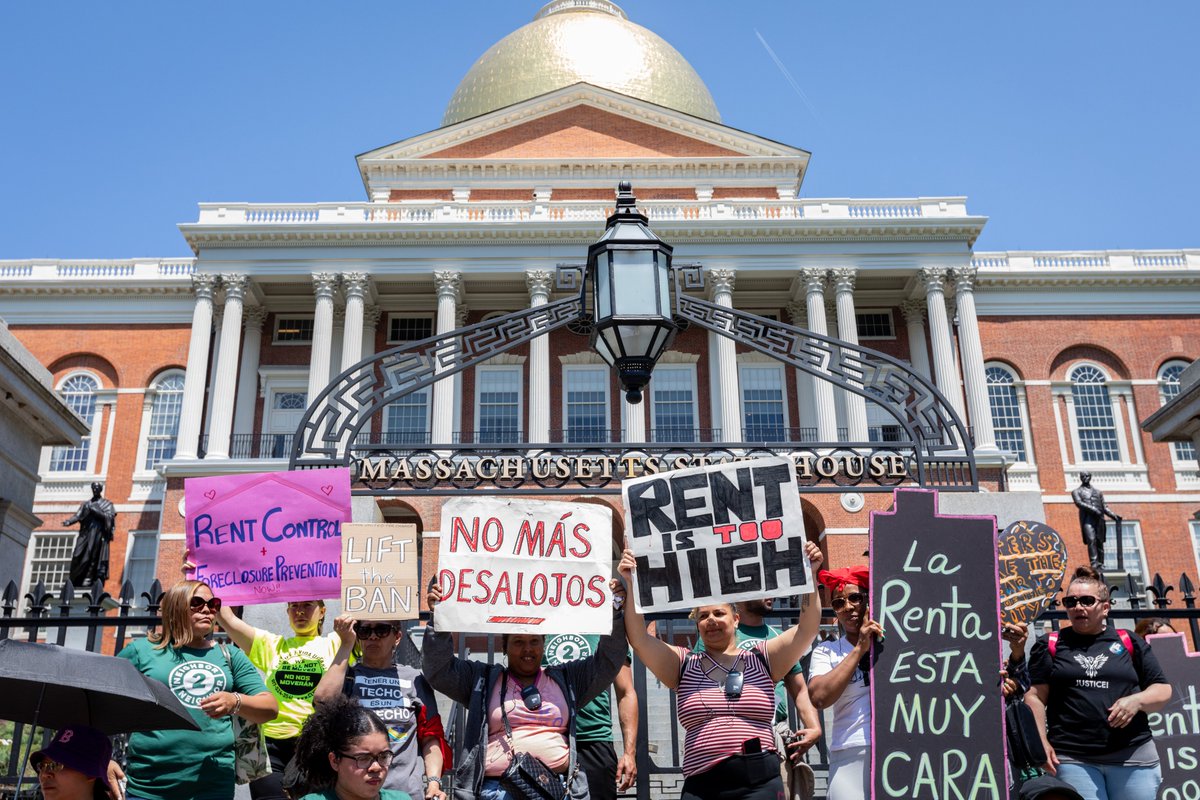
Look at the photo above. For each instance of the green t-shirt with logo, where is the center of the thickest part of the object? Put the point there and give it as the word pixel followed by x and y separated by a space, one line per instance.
pixel 188 765
pixel 384 794
pixel 593 722
pixel 293 665
pixel 747 635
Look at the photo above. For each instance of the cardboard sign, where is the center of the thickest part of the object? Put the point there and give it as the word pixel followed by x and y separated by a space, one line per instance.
pixel 725 532
pixel 937 714
pixel 525 566
pixel 1176 728
pixel 268 537
pixel 1033 560
pixel 379 571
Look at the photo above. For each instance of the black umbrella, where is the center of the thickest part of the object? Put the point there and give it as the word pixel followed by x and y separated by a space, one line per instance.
pixel 53 686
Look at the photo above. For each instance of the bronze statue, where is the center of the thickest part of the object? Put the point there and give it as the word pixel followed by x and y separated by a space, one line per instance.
pixel 1092 512
pixel 97 518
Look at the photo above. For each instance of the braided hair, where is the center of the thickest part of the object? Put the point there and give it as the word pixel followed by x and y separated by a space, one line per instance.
pixel 330 729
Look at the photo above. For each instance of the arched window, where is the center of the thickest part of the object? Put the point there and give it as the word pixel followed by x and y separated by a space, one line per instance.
pixel 1168 388
pixel 79 392
pixel 164 419
pixel 1094 415
pixel 1006 411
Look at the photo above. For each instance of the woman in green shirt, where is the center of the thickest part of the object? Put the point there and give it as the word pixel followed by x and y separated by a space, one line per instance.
pixel 342 754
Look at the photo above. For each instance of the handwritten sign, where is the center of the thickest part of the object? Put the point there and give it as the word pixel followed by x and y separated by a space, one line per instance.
pixel 937 710
pixel 379 571
pixel 525 566
pixel 268 537
pixel 1033 560
pixel 725 532
pixel 1176 728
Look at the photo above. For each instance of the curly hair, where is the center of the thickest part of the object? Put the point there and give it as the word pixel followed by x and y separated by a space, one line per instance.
pixel 330 729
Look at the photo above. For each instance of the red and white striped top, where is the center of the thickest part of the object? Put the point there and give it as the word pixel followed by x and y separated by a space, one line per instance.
pixel 715 726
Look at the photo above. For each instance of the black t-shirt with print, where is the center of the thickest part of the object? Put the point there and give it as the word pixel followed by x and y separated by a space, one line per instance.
pixel 1086 675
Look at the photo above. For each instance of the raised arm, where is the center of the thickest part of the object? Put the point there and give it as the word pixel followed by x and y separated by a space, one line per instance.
pixel 445 672
pixel 791 645
pixel 658 656
pixel 331 683
pixel 242 632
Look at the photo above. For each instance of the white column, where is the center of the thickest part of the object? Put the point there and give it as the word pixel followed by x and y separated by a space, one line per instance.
pixel 847 322
pixel 449 288
pixel 324 284
pixel 355 286
pixel 806 396
pixel 196 377
pixel 814 299
pixel 971 351
pixel 918 347
pixel 721 281
pixel 538 282
pixel 214 361
pixel 371 315
pixel 247 392
pixel 939 335
pixel 633 418
pixel 225 388
pixel 461 314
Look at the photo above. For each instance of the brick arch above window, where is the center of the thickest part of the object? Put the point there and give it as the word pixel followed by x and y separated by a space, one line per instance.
pixel 1067 360
pixel 155 375
pixel 101 368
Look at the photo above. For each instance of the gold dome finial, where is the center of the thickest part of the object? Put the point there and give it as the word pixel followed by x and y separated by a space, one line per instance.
pixel 574 41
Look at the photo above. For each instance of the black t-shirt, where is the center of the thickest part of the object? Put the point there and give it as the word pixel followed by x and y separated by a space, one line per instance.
pixel 1086 676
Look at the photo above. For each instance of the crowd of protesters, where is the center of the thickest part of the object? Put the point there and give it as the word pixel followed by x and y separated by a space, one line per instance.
pixel 344 720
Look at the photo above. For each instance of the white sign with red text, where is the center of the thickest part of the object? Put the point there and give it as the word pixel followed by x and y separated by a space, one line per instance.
pixel 525 566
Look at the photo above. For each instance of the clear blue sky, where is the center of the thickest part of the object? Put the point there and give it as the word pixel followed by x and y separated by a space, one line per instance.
pixel 1072 125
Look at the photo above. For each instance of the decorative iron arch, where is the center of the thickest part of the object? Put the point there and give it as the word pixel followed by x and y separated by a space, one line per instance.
pixel 937 451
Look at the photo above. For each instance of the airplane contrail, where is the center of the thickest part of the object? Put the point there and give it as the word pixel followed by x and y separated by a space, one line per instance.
pixel 788 77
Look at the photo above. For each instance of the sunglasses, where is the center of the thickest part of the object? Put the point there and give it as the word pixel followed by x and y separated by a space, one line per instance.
pixel 373 631
pixel 364 760
pixel 49 767
pixel 531 697
pixel 1085 600
pixel 838 603
pixel 213 603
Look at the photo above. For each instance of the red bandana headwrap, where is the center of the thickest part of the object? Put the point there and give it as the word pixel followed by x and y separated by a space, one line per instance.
pixel 835 579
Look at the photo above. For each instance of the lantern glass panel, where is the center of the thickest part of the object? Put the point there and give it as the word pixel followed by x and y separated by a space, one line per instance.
pixel 603 305
pixel 637 338
pixel 664 289
pixel 609 344
pixel 634 275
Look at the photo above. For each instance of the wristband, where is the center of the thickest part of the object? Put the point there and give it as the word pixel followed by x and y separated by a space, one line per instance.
pixel 237 704
pixel 428 779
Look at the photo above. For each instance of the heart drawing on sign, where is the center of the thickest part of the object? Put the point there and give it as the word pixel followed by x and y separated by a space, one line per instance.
pixel 327 489
pixel 1033 560
pixel 210 494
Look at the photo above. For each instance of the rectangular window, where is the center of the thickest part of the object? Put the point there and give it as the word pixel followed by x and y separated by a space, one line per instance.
pixel 875 325
pixel 50 561
pixel 498 404
pixel 409 329
pixel 140 561
pixel 293 330
pixel 1131 550
pixel 1097 428
pixel 764 418
pixel 673 400
pixel 1006 419
pixel 407 419
pixel 586 398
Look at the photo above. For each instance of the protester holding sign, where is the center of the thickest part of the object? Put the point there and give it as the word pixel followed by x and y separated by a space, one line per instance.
pixel 1092 687
pixel 840 677
pixel 214 683
pixel 343 754
pixel 293 665
pixel 521 718
pixel 398 695
pixel 726 695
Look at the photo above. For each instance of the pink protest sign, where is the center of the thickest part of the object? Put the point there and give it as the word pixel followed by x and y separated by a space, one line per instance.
pixel 269 537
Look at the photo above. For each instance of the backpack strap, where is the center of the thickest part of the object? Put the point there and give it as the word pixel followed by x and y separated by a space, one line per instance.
pixel 1052 643
pixel 1123 635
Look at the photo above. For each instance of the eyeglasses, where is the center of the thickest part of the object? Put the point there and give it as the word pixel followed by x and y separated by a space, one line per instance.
pixel 1085 600
pixel 213 603
pixel 531 697
pixel 733 684
pixel 49 767
pixel 364 760
pixel 838 603
pixel 373 631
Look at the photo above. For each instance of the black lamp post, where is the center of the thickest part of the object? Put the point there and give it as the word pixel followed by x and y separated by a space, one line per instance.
pixel 630 270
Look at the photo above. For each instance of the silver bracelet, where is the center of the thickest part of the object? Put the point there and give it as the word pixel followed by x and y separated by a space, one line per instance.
pixel 237 705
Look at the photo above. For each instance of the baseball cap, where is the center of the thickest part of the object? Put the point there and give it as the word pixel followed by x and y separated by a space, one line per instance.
pixel 81 748
pixel 1047 786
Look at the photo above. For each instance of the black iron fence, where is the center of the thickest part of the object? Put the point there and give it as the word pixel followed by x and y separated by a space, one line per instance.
pixel 99 622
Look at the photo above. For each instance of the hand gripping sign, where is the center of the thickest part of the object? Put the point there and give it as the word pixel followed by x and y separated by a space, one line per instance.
pixel 268 537
pixel 725 532
pixel 525 566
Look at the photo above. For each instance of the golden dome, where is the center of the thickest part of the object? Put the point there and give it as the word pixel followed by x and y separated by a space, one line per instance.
pixel 570 41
